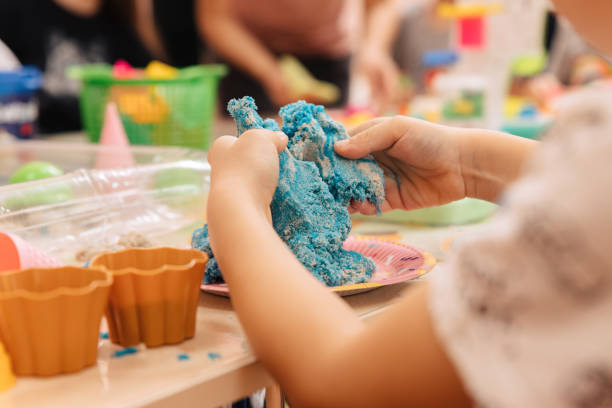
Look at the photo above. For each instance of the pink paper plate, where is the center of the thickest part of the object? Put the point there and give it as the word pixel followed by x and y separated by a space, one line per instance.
pixel 395 263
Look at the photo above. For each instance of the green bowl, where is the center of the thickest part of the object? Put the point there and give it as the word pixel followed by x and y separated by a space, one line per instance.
pixel 464 211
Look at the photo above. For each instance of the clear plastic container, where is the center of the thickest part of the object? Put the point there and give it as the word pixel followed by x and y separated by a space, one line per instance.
pixel 73 156
pixel 66 214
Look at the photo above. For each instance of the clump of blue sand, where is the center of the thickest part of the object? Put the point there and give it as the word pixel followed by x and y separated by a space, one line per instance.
pixel 315 187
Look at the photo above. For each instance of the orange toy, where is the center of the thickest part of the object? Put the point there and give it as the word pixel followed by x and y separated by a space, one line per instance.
pixel 7 378
pixel 15 253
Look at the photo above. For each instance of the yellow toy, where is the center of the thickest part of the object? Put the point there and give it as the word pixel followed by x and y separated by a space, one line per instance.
pixel 356 119
pixel 463 107
pixel 7 378
pixel 159 70
pixel 144 107
pixel 302 85
pixel 460 11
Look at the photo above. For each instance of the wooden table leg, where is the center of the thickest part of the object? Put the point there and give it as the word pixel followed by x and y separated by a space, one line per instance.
pixel 274 397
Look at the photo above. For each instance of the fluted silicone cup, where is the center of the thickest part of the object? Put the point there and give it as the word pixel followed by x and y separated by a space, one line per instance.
pixel 50 318
pixel 154 297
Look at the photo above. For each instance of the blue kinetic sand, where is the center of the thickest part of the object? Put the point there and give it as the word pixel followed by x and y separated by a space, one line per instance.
pixel 312 135
pixel 309 207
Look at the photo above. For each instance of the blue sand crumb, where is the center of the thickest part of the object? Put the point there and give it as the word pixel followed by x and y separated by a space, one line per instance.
pixel 214 356
pixel 124 352
pixel 309 207
pixel 104 335
pixel 183 357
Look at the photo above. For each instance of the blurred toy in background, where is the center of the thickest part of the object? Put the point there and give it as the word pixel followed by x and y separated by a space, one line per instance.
pixel 15 253
pixel 353 116
pixel 421 32
pixel 113 135
pixel 589 68
pixel 35 170
pixel 142 104
pixel 7 378
pixel 123 70
pixel 302 85
pixel 18 101
pixel 159 70
pixel 437 62
pixel 545 88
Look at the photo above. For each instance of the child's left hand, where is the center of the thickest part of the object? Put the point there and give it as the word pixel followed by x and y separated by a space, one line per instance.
pixel 246 168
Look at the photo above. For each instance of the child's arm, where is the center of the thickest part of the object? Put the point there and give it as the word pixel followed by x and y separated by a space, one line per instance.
pixel 311 341
pixel 428 164
pixel 233 41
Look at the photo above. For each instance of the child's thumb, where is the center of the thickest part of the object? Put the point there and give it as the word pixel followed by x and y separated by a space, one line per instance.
pixel 279 139
pixel 373 139
pixel 351 148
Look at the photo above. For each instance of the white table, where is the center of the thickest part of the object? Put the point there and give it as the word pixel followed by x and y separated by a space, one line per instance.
pixel 218 367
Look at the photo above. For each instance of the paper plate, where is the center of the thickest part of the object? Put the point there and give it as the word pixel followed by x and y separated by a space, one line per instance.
pixel 395 263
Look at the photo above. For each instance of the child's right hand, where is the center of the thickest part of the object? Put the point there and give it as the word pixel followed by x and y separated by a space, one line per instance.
pixel 421 161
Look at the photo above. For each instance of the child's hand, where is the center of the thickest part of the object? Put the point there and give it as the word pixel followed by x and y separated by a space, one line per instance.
pixel 246 168
pixel 421 161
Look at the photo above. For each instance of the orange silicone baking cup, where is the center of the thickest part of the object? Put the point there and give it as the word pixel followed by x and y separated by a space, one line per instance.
pixel 154 297
pixel 50 318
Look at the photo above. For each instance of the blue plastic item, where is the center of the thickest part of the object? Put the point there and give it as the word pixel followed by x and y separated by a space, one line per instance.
pixel 18 104
pixel 439 58
pixel 25 79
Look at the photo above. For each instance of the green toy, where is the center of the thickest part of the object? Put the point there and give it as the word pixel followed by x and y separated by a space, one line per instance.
pixel 35 170
pixel 50 193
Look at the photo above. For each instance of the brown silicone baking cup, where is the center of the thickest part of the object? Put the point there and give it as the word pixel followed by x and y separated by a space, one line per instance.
pixel 154 297
pixel 50 318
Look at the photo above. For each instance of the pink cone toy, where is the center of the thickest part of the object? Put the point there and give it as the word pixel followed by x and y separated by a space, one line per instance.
pixel 113 135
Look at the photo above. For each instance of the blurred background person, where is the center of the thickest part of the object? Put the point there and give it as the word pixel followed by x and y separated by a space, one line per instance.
pixel 323 34
pixel 56 34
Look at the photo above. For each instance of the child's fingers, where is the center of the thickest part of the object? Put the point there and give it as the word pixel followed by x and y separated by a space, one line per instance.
pixel 365 125
pixel 366 208
pixel 278 139
pixel 220 146
pixel 379 137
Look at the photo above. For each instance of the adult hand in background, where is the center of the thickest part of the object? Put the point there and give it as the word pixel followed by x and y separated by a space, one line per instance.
pixel 277 88
pixel 382 74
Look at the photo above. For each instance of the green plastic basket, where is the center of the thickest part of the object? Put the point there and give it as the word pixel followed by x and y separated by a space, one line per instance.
pixel 175 112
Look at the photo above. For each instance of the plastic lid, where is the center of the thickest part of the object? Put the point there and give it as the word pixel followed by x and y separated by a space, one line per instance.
pixel 439 58
pixel 25 79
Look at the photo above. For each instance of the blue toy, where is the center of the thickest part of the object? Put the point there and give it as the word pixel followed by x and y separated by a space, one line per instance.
pixel 309 207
